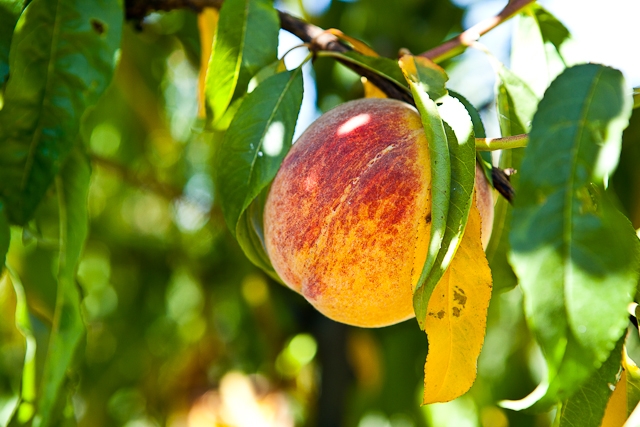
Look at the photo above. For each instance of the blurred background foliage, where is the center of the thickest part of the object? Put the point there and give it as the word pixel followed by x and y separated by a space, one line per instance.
pixel 182 329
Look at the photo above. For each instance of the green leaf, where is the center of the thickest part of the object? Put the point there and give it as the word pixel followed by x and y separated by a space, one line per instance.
pixel 250 235
pixel 574 253
pixel 586 407
pixel 384 67
pixel 462 152
pixel 68 327
pixel 9 13
pixel 440 190
pixel 62 59
pixel 257 140
pixel 246 40
pixel 516 105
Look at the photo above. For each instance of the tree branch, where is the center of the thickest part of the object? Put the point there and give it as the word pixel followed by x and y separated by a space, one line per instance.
pixel 459 44
pixel 319 39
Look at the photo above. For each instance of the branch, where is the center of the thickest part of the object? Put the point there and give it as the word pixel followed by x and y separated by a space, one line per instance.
pixel 459 44
pixel 319 39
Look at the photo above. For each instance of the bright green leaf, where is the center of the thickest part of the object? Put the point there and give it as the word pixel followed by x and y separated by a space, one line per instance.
pixel 586 407
pixel 68 327
pixel 246 40
pixel 63 55
pixel 574 253
pixel 257 140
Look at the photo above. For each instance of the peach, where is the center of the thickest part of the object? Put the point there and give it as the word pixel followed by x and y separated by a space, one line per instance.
pixel 347 219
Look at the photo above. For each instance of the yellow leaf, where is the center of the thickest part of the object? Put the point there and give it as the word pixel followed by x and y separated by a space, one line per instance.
pixel 615 413
pixel 207 23
pixel 457 319
pixel 371 90
pixel 357 45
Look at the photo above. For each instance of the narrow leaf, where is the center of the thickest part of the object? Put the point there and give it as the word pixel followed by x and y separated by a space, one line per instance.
pixel 463 167
pixel 586 408
pixel 9 13
pixel 62 59
pixel 257 140
pixel 207 24
pixel 574 253
pixel 516 105
pixel 246 40
pixel 384 67
pixel 440 191
pixel 456 319
pixel 68 327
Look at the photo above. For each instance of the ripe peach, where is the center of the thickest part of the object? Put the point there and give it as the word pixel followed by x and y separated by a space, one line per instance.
pixel 347 219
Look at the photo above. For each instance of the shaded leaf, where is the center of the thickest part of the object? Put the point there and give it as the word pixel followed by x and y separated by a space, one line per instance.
pixel 586 408
pixel 456 319
pixel 570 246
pixel 62 59
pixel 68 327
pixel 246 40
pixel 257 140
pixel 9 13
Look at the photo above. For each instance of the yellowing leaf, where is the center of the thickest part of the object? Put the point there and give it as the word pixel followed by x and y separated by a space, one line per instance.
pixel 615 413
pixel 207 22
pixel 357 45
pixel 456 319
pixel 371 90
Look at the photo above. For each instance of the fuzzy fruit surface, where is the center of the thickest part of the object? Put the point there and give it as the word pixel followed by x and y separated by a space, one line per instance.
pixel 347 219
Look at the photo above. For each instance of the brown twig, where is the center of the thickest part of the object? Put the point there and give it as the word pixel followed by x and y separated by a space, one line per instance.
pixel 459 44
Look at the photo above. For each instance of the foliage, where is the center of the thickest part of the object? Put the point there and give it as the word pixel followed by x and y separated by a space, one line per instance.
pixel 135 288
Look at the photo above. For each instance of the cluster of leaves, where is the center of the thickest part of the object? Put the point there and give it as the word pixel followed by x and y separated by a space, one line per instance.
pixel 564 241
